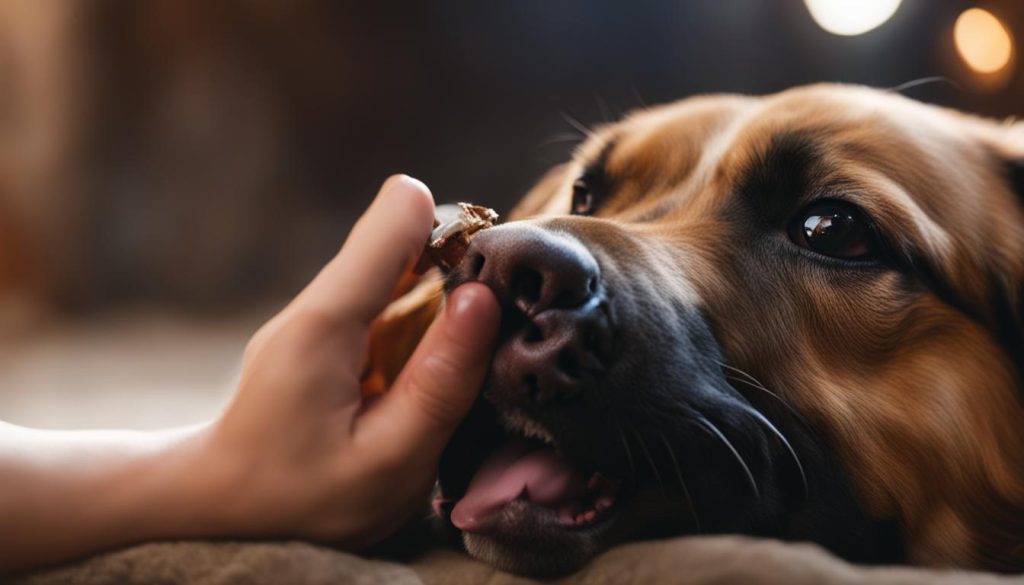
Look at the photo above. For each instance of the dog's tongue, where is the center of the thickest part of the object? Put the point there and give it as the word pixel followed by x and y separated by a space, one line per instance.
pixel 516 471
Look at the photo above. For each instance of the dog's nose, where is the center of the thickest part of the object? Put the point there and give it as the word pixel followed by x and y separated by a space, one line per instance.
pixel 560 334
pixel 534 269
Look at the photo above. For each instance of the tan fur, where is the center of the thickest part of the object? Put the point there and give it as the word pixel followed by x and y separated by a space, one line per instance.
pixel 396 332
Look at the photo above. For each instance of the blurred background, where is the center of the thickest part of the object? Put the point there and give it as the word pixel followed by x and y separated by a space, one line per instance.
pixel 171 171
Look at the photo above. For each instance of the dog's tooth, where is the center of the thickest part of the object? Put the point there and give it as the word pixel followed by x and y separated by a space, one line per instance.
pixel 519 423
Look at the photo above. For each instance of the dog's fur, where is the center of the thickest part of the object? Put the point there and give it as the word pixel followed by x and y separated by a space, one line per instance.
pixel 898 381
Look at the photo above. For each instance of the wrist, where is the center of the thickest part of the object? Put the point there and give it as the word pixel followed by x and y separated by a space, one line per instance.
pixel 72 493
pixel 169 489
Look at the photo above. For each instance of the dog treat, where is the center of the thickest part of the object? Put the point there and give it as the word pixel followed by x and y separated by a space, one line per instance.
pixel 453 230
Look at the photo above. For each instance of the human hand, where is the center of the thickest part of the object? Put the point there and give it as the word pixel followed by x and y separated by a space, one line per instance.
pixel 297 452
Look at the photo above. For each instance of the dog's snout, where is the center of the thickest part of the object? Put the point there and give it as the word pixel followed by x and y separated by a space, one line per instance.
pixel 561 329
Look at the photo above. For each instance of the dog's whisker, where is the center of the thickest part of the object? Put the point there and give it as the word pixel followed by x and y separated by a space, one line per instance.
pixel 602 108
pixel 758 386
pixel 576 124
pixel 562 138
pixel 639 98
pixel 924 81
pixel 629 455
pixel 650 460
pixel 785 442
pixel 682 483
pixel 714 430
pixel 752 382
pixel 778 398
pixel 739 371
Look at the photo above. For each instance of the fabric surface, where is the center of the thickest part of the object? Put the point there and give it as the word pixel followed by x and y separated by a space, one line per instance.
pixel 704 560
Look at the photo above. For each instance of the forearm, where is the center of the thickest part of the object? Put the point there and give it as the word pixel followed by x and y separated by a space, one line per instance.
pixel 69 493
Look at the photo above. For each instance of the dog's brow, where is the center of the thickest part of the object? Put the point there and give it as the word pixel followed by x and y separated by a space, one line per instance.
pixel 595 173
pixel 781 173
pixel 598 167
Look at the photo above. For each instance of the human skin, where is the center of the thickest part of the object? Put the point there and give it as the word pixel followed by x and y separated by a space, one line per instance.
pixel 297 452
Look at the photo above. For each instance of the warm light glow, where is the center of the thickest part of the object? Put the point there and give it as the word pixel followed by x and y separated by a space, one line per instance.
pixel 983 42
pixel 851 17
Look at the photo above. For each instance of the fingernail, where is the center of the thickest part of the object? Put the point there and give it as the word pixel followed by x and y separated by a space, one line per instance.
pixel 400 181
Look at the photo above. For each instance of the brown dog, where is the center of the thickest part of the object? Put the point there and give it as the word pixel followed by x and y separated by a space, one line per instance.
pixel 796 316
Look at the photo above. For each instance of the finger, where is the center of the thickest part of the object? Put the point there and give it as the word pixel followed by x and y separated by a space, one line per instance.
pixel 358 283
pixel 441 381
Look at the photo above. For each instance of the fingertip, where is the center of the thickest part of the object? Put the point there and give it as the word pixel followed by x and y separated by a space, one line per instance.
pixel 404 207
pixel 473 306
pixel 441 381
pixel 403 190
pixel 411 182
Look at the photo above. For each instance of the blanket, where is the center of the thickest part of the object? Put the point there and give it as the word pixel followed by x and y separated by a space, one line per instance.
pixel 692 560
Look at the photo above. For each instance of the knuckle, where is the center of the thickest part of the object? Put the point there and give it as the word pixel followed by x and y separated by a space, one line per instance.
pixel 258 341
pixel 252 347
pixel 309 336
pixel 309 331
pixel 310 323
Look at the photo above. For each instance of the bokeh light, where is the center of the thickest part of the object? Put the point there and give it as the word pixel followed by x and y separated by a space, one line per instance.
pixel 983 41
pixel 851 17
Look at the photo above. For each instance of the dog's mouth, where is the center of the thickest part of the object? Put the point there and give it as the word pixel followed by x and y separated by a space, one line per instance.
pixel 519 482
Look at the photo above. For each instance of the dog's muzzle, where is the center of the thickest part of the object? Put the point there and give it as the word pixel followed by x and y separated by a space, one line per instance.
pixel 560 333
pixel 555 342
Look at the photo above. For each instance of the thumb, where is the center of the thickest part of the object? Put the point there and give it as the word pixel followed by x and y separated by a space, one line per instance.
pixel 441 381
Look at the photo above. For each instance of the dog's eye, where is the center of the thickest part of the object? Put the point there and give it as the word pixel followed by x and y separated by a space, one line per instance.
pixel 582 198
pixel 836 229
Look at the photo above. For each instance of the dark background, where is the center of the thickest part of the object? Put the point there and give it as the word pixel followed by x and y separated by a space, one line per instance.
pixel 209 156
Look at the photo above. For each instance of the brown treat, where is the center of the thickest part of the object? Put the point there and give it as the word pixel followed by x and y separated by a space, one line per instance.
pixel 451 236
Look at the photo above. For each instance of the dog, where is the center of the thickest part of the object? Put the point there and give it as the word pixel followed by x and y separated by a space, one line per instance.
pixel 796 316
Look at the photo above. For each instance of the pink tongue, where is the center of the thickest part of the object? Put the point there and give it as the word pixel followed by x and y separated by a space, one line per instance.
pixel 514 471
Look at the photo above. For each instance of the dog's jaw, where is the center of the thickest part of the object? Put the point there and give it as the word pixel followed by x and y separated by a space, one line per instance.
pixel 526 506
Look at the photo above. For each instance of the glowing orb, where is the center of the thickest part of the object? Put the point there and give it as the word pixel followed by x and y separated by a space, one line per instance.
pixel 982 41
pixel 851 17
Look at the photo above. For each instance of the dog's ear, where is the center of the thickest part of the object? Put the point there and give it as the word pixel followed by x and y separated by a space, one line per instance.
pixel 1012 152
pixel 543 198
pixel 1017 183
pixel 1017 176
pixel 1015 154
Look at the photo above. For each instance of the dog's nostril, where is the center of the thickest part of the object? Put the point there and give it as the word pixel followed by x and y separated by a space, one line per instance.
pixel 592 285
pixel 476 265
pixel 527 285
pixel 533 334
